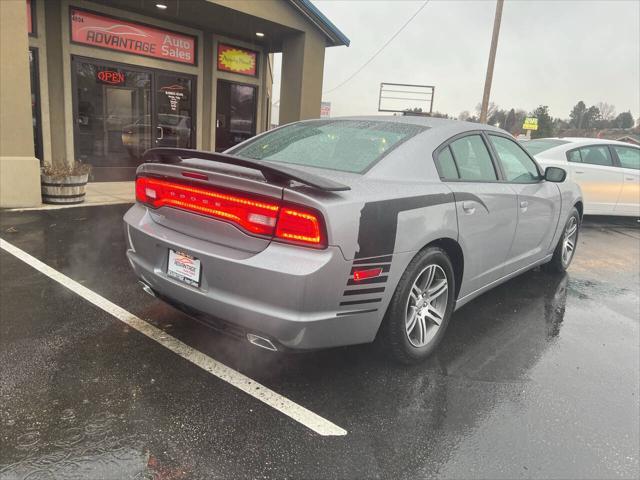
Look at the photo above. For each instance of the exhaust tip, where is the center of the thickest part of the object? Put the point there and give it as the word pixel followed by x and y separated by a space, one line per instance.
pixel 147 288
pixel 261 342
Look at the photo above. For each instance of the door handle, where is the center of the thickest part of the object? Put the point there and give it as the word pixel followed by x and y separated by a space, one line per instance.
pixel 630 178
pixel 578 171
pixel 161 133
pixel 468 207
pixel 523 205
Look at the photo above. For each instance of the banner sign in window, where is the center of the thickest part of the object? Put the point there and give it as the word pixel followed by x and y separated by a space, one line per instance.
pixel 107 32
pixel 530 123
pixel 237 60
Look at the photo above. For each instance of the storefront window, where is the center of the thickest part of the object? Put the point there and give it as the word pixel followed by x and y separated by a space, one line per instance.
pixel 35 103
pixel 118 118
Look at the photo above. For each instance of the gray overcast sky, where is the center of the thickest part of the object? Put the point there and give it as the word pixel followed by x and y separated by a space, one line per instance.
pixel 551 52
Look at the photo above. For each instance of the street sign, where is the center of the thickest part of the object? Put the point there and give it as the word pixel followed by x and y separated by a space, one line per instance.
pixel 530 123
pixel 325 109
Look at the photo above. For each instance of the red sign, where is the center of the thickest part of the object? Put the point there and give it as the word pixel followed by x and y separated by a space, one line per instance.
pixel 111 77
pixel 29 18
pixel 237 60
pixel 106 32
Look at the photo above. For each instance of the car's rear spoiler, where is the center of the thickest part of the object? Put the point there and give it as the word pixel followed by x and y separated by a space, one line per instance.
pixel 271 172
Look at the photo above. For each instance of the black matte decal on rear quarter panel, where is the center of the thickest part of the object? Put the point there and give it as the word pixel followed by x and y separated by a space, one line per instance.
pixel 379 221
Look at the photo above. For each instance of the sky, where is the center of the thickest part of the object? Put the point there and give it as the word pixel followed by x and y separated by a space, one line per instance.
pixel 550 52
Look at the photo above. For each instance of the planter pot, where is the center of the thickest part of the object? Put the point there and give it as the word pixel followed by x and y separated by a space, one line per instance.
pixel 63 190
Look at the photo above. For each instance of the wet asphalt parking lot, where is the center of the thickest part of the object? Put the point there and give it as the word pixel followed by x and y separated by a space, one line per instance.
pixel 538 378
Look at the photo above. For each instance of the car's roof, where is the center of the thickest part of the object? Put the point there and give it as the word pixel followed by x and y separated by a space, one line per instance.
pixel 585 141
pixel 452 126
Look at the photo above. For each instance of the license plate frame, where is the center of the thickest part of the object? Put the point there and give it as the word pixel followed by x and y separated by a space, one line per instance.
pixel 184 268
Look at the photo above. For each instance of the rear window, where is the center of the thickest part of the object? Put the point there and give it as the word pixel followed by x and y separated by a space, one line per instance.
pixel 534 147
pixel 345 145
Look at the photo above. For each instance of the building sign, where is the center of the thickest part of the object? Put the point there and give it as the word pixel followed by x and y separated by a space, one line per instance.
pixel 30 28
pixel 325 109
pixel 237 60
pixel 106 32
pixel 530 123
pixel 111 77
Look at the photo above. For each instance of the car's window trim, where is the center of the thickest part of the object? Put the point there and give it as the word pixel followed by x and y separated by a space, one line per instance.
pixel 504 174
pixel 449 141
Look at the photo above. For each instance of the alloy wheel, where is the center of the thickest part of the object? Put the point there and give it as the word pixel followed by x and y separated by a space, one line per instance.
pixel 426 305
pixel 569 240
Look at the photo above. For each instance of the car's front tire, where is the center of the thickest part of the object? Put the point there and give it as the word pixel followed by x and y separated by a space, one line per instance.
pixel 566 247
pixel 420 308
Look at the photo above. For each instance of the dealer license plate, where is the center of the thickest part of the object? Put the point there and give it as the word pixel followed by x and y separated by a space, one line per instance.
pixel 184 267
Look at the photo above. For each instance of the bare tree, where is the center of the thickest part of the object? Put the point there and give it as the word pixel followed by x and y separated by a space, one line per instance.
pixel 464 115
pixel 491 109
pixel 607 111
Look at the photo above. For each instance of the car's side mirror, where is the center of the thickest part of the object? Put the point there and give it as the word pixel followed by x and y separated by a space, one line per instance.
pixel 555 174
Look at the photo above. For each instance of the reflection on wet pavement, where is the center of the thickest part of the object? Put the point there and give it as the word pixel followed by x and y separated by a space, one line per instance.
pixel 537 378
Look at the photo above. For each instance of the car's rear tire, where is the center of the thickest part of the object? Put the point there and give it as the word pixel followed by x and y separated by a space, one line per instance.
pixel 566 247
pixel 420 308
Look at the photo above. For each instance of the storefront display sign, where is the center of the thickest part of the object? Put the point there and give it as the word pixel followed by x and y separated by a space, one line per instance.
pixel 237 60
pixel 111 77
pixel 107 32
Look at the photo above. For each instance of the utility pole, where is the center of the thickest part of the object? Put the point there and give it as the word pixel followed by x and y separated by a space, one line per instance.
pixel 492 60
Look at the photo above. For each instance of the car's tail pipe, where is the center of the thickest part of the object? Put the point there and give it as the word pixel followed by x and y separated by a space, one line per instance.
pixel 261 342
pixel 147 288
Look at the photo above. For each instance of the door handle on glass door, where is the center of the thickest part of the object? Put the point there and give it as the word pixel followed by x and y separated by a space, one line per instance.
pixel 468 207
pixel 161 133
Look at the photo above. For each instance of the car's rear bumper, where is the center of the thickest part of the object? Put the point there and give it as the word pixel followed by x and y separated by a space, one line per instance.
pixel 288 294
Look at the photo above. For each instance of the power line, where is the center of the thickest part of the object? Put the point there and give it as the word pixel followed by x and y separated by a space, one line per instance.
pixel 381 48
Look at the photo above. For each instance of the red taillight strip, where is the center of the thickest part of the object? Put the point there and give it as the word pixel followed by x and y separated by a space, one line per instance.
pixel 289 223
pixel 211 193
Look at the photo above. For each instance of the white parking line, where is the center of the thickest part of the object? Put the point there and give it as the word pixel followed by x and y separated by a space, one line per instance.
pixel 291 409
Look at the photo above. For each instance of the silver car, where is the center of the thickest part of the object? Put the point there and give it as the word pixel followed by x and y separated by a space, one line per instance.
pixel 336 232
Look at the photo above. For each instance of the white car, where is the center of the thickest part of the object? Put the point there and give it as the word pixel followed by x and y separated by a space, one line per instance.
pixel 607 171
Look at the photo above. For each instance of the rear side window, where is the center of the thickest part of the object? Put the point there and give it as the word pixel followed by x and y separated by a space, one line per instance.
pixel 446 165
pixel 596 155
pixel 517 165
pixel 574 156
pixel 473 159
pixel 629 157
pixel 345 145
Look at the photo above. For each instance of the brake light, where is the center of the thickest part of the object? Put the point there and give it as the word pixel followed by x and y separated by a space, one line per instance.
pixel 287 222
pixel 302 226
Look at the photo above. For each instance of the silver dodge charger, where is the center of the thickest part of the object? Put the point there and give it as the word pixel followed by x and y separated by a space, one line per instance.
pixel 342 231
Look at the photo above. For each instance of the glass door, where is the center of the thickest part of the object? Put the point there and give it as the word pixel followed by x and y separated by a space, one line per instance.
pixel 235 114
pixel 122 111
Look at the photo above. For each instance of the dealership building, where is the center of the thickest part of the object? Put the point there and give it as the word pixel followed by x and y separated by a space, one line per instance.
pixel 101 81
